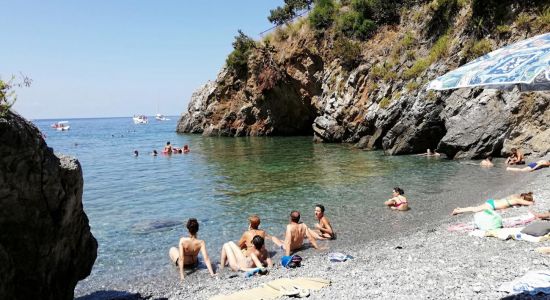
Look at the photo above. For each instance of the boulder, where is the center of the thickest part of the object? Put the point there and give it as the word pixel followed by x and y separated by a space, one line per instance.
pixel 46 245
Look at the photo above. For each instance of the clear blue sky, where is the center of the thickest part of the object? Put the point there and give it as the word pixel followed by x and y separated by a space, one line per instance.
pixel 121 57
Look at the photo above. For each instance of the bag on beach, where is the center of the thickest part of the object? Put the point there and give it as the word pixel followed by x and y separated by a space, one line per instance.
pixel 487 220
pixel 291 261
pixel 537 229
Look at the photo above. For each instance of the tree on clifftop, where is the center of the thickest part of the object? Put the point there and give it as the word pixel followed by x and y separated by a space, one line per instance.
pixel 237 60
pixel 282 15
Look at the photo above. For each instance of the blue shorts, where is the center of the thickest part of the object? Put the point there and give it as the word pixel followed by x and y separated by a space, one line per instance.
pixel 532 165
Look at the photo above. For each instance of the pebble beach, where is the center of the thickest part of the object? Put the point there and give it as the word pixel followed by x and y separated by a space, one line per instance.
pixel 429 262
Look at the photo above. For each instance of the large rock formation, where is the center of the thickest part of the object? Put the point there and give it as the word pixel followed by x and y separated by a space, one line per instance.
pixel 45 241
pixel 381 102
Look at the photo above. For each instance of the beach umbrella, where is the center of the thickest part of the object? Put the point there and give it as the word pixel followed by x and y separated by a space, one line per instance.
pixel 525 64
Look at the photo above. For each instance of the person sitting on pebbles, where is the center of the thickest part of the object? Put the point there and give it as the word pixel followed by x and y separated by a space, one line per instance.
pixel 515 158
pixel 246 239
pixel 531 167
pixel 492 204
pixel 294 236
pixel 189 247
pixel 323 229
pixel 398 201
pixel 247 260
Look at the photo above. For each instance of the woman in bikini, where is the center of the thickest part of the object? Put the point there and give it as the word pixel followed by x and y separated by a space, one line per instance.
pixel 189 247
pixel 398 201
pixel 245 260
pixel 492 204
pixel 531 167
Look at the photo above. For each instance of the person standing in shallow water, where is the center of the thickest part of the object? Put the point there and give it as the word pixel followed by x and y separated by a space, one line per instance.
pixel 398 201
pixel 189 247
pixel 168 148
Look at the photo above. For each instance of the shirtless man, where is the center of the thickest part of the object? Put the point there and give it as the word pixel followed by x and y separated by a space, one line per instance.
pixel 189 248
pixel 246 239
pixel 323 228
pixel 295 233
pixel 168 148
pixel 516 158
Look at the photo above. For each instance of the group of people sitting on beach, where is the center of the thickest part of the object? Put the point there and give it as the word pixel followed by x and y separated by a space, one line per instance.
pixel 249 253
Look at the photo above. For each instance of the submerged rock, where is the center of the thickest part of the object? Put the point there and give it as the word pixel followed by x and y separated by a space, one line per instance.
pixel 46 245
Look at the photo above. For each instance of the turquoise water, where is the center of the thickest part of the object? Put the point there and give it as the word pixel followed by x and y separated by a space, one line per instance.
pixel 137 205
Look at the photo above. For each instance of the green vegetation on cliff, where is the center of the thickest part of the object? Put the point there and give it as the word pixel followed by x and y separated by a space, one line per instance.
pixel 7 92
pixel 237 61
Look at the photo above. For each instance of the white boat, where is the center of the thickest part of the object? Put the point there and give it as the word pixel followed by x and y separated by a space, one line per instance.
pixel 61 125
pixel 160 117
pixel 140 119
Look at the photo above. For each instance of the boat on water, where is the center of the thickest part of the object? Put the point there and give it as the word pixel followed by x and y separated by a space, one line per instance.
pixel 61 126
pixel 160 117
pixel 140 119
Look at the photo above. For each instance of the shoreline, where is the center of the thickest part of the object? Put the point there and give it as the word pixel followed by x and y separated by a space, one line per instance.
pixel 429 262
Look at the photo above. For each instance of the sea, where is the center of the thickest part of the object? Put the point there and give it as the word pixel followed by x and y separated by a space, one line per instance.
pixel 137 206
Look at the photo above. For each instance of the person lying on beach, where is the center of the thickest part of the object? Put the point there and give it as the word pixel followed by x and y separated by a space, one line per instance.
pixel 189 247
pixel 323 229
pixel 245 260
pixel 246 239
pixel 429 153
pixel 294 236
pixel 531 167
pixel 492 204
pixel 398 201
pixel 488 162
pixel 515 158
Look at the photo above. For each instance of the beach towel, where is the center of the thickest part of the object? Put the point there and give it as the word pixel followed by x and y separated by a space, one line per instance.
pixel 533 282
pixel 506 222
pixel 338 257
pixel 278 288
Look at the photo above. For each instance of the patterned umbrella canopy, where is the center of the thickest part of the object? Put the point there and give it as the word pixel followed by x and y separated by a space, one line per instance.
pixel 525 64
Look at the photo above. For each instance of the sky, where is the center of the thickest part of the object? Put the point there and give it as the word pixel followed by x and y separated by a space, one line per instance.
pixel 120 57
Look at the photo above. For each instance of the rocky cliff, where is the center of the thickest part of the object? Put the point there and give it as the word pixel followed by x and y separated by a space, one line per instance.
pixel 45 241
pixel 299 84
